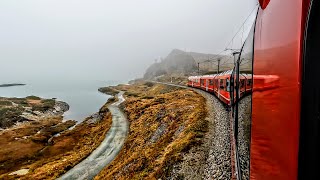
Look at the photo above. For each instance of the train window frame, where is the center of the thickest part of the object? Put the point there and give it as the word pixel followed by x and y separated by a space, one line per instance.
pixel 242 83
pixel 221 83
pixel 228 85
pixel 245 68
pixel 211 82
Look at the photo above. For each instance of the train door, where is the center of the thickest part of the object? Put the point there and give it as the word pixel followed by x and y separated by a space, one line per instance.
pixel 207 84
pixel 231 92
pixel 201 83
pixel 218 87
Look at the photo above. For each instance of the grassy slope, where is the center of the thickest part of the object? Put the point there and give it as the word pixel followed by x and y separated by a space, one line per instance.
pixel 49 159
pixel 164 123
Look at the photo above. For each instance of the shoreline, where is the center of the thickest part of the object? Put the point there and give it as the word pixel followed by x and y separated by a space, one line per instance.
pixel 17 111
pixel 12 84
pixel 52 141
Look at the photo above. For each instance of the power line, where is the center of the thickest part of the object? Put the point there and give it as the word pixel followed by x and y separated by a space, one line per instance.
pixel 242 25
pixel 219 55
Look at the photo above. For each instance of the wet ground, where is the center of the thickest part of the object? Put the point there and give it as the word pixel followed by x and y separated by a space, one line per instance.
pixel 108 149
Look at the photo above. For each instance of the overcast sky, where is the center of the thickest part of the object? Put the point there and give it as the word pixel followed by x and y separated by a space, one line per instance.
pixel 108 39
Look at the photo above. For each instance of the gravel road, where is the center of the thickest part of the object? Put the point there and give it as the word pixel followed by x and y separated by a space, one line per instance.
pixel 108 149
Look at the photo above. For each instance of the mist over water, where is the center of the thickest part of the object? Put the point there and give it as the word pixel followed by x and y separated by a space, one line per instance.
pixel 68 49
pixel 82 95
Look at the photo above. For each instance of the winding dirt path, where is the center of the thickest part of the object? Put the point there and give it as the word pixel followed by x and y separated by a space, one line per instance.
pixel 108 149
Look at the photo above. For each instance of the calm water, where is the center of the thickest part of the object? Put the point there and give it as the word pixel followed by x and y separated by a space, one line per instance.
pixel 83 97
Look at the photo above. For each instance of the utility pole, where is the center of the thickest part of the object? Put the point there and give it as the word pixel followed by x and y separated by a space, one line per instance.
pixel 198 68
pixel 235 57
pixel 219 65
pixel 237 88
pixel 235 51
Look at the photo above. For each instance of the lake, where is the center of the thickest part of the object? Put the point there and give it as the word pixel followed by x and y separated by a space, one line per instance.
pixel 83 97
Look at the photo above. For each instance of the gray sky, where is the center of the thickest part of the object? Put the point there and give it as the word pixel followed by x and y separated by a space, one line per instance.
pixel 108 39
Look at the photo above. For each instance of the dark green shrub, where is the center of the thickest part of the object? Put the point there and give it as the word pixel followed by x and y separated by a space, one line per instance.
pixel 33 98
pixel 5 103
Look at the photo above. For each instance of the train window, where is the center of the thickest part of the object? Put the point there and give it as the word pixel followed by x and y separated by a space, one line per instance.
pixel 243 121
pixel 221 84
pixel 210 82
pixel 228 85
pixel 242 83
pixel 249 81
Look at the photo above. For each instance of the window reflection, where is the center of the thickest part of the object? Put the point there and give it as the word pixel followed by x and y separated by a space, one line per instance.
pixel 244 107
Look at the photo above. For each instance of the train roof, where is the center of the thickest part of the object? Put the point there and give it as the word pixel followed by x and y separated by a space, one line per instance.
pixel 229 72
pixel 194 77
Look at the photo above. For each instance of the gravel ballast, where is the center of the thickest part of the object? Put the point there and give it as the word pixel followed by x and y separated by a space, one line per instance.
pixel 210 160
pixel 244 136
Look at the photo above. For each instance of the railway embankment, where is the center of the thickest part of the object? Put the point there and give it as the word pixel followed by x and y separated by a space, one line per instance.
pixel 210 160
pixel 217 140
pixel 216 146
pixel 165 124
pixel 174 132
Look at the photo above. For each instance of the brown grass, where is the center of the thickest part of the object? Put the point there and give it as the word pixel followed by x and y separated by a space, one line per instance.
pixel 49 158
pixel 164 123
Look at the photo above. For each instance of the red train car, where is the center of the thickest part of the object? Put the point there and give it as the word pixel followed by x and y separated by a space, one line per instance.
pixel 282 48
pixel 194 81
pixel 220 84
pixel 285 124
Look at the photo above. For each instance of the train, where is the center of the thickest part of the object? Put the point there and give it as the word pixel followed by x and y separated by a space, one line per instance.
pixel 282 52
pixel 221 84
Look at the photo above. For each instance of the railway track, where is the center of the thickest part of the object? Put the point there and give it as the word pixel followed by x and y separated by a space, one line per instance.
pixel 233 147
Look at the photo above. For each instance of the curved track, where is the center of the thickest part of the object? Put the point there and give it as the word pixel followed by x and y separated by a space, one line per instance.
pixel 217 142
pixel 108 149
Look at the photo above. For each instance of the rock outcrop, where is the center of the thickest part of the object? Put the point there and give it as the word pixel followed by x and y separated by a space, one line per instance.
pixel 177 61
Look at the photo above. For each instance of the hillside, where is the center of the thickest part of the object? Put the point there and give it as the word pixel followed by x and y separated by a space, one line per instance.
pixel 226 61
pixel 165 123
pixel 179 64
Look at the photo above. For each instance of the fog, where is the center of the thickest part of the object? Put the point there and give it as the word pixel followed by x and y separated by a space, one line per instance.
pixel 108 39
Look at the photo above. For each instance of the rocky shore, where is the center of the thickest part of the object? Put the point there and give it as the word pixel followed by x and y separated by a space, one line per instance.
pixel 14 111
pixel 12 84
pixel 40 144
pixel 58 109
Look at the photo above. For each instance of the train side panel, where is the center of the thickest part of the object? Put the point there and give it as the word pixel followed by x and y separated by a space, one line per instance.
pixel 276 110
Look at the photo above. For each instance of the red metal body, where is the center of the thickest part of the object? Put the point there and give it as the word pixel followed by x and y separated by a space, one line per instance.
pixel 276 91
pixel 194 81
pixel 219 84
pixel 276 112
